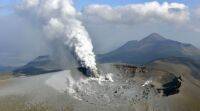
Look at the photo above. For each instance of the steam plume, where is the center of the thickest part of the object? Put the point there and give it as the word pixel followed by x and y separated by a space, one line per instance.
pixel 59 21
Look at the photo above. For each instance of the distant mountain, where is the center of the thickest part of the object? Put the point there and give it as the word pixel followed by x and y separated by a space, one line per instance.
pixel 45 64
pixel 42 64
pixel 141 52
pixel 148 49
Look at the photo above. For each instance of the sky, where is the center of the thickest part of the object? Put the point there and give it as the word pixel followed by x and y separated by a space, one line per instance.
pixel 110 24
pixel 80 4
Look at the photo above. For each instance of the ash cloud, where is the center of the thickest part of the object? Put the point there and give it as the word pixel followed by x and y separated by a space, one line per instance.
pixel 58 19
pixel 108 26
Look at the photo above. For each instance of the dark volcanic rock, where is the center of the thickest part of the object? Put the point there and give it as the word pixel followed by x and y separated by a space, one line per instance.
pixel 171 87
pixel 170 83
pixel 128 69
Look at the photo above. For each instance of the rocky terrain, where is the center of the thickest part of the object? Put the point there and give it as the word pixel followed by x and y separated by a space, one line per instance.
pixel 162 81
pixel 154 74
pixel 177 87
pixel 161 85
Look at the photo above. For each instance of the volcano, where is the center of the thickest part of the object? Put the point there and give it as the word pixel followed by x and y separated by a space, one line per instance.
pixel 152 47
pixel 88 72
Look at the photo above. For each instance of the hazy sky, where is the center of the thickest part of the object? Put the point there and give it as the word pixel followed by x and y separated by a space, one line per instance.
pixel 110 24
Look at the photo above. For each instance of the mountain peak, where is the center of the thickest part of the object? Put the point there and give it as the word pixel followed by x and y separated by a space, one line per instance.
pixel 153 37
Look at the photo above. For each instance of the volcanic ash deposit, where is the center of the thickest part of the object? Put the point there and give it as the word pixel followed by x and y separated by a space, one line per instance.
pixel 108 89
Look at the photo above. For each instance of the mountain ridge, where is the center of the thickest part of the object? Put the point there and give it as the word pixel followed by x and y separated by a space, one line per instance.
pixel 149 48
pixel 145 51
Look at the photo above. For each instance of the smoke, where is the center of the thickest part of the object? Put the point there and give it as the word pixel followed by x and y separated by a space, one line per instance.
pixel 58 19
pixel 147 83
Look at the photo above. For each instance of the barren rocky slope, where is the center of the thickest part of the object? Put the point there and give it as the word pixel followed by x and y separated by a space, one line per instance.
pixel 159 86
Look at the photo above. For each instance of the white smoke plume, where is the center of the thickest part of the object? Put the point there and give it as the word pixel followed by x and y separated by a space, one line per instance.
pixel 59 21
